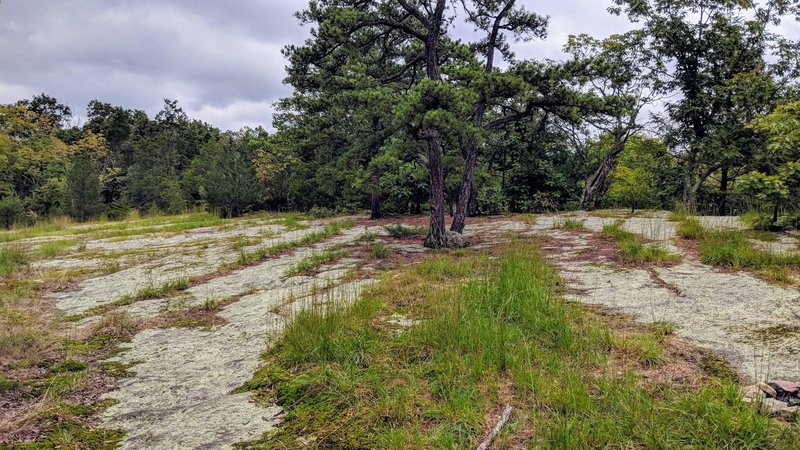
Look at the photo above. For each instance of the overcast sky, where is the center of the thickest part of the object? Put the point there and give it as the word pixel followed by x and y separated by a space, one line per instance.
pixel 221 60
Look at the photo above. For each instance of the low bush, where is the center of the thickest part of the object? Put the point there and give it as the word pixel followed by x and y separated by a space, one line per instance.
pixel 12 211
pixel 398 230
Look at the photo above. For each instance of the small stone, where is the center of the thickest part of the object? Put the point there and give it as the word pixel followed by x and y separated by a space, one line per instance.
pixel 752 392
pixel 772 407
pixel 767 389
pixel 790 412
pixel 455 240
pixel 789 386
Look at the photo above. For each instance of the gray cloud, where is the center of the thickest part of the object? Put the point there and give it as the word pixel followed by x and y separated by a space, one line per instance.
pixel 221 60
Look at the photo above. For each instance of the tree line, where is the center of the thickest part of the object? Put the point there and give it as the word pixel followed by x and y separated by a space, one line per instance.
pixel 391 112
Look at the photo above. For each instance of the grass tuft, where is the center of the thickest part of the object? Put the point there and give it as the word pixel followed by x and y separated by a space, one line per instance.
pixel 690 228
pixel 309 265
pixel 633 249
pixel 12 257
pixel 379 251
pixel 571 225
pixel 732 248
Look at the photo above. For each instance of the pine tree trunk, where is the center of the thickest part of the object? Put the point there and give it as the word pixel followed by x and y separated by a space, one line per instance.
pixel 436 232
pixel 376 211
pixel 464 196
pixel 596 184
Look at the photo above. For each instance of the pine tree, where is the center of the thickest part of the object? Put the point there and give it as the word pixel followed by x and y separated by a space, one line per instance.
pixel 83 189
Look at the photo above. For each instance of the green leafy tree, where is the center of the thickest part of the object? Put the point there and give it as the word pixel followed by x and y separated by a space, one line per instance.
pixel 621 79
pixel 776 178
pixel 631 187
pixel 705 46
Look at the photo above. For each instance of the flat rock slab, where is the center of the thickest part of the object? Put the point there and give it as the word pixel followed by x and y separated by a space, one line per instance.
pixel 753 324
pixel 180 396
pixel 181 264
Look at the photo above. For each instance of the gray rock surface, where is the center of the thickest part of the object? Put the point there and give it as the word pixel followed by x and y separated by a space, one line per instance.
pixel 752 323
pixel 181 395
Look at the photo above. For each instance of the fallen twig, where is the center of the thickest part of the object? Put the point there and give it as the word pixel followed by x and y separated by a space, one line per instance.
pixel 497 428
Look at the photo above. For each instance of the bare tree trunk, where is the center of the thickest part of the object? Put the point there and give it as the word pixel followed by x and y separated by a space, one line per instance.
pixel 598 183
pixel 689 196
pixel 376 212
pixel 723 190
pixel 472 210
pixel 464 196
pixel 462 209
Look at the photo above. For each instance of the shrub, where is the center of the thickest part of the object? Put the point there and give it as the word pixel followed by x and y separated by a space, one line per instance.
pixel 492 201
pixel 319 212
pixel 757 220
pixel 12 211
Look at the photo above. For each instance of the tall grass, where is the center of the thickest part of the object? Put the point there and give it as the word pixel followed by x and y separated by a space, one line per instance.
pixel 488 332
pixel 690 228
pixel 733 249
pixel 12 257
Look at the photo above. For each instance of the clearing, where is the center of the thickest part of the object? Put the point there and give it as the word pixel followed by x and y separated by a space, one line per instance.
pixel 142 334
